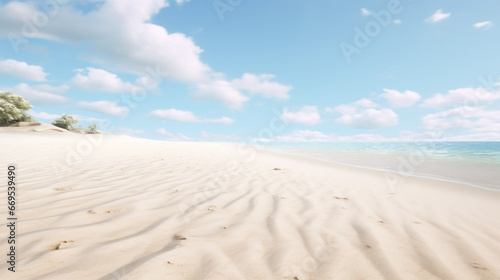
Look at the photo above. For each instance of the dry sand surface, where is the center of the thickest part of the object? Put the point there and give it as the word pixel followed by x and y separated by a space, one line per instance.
pixel 116 207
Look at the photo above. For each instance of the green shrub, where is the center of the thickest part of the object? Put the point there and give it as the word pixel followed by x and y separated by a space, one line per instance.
pixel 14 108
pixel 65 121
pixel 93 128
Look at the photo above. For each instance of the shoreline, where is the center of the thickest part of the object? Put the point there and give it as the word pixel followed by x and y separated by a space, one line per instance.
pixel 495 188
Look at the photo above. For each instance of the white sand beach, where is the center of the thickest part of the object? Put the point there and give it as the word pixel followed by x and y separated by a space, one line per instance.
pixel 117 207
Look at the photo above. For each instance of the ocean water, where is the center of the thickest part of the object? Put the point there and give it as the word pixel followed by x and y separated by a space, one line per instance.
pixel 473 163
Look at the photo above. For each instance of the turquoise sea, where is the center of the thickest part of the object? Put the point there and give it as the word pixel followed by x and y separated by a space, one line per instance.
pixel 474 163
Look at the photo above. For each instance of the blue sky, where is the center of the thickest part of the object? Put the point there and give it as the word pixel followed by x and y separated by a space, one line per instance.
pixel 259 70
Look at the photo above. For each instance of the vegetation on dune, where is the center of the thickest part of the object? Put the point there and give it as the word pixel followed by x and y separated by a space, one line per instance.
pixel 92 128
pixel 65 121
pixel 14 108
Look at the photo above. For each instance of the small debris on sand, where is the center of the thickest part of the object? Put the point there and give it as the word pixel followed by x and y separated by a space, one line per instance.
pixel 180 237
pixel 63 245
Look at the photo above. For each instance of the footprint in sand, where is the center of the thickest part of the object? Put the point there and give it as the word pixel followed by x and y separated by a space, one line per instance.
pixel 179 237
pixel 211 208
pixel 63 245
pixel 478 266
pixel 63 189
pixel 111 211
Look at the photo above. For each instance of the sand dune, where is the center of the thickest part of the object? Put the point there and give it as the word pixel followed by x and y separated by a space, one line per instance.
pixel 112 207
pixel 39 127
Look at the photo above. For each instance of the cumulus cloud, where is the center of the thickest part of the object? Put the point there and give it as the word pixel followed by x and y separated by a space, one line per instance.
pixel 318 136
pixel 186 116
pixel 487 136
pixel 305 136
pixel 22 70
pixel 401 99
pixel 121 32
pixel 101 81
pixel 438 16
pixel 40 94
pixel 461 97
pixel 48 116
pixel 476 119
pixel 223 91
pixel 362 114
pixel 44 115
pixel 483 25
pixel 124 39
pixel 307 115
pixel 104 107
pixel 262 84
pixel 365 12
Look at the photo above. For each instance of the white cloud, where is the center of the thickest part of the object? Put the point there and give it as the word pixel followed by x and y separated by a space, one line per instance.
pixel 305 135
pixel 180 2
pixel 438 16
pixel 307 115
pixel 101 81
pixel 263 85
pixel 476 119
pixel 362 114
pixel 223 91
pixel 124 39
pixel 318 136
pixel 461 97
pixel 53 89
pixel 353 107
pixel 87 119
pixel 401 99
pixel 483 24
pixel 230 92
pixel 48 116
pixel 22 70
pixel 363 137
pixel 39 94
pixel 365 12
pixel 43 115
pixel 397 21
pixel 187 116
pixel 122 34
pixel 172 136
pixel 488 136
pixel 104 107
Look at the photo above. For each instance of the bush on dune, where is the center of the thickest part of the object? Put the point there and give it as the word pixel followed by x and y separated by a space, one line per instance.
pixel 93 128
pixel 65 121
pixel 14 108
